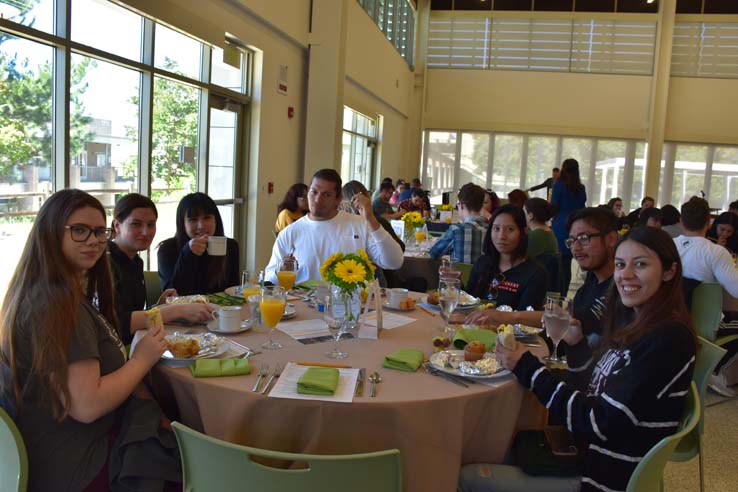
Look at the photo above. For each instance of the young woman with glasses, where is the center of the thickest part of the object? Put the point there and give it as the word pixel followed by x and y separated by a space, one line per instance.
pixel 64 368
pixel 626 396
pixel 504 275
pixel 134 228
pixel 184 262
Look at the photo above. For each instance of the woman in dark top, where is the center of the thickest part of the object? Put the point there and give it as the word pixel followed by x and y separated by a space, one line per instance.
pixel 623 399
pixel 184 263
pixel 724 231
pixel 567 196
pixel 504 275
pixel 134 227
pixel 64 367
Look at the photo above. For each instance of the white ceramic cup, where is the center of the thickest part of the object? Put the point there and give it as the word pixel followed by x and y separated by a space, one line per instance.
pixel 217 245
pixel 229 318
pixel 396 296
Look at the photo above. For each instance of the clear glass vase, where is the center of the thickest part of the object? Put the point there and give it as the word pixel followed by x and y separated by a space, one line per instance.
pixel 350 302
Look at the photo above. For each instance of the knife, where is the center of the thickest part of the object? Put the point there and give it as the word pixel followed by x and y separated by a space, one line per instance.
pixel 359 391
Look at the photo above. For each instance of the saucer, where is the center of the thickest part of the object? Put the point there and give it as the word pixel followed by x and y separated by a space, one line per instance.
pixel 213 327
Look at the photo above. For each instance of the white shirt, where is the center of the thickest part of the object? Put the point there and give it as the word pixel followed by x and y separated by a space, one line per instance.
pixel 706 261
pixel 313 241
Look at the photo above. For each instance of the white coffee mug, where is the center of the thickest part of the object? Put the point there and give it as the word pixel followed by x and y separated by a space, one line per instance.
pixel 229 318
pixel 217 245
pixel 396 296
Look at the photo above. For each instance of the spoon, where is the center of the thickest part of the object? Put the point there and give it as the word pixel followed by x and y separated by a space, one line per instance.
pixel 374 378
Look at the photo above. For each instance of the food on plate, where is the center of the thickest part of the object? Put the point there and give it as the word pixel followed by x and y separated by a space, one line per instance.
pixel 184 348
pixel 481 367
pixel 433 298
pixel 506 336
pixel 153 320
pixel 408 303
pixel 187 299
pixel 441 343
pixel 474 350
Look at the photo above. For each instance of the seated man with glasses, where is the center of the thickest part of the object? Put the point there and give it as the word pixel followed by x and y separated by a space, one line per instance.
pixel 326 230
pixel 592 239
pixel 463 242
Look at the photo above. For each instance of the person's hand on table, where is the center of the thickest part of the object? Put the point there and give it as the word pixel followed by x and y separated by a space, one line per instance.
pixel 199 244
pixel 509 358
pixel 164 295
pixel 489 317
pixel 196 312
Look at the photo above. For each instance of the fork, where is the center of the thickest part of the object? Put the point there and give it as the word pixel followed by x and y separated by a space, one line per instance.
pixel 263 371
pixel 277 372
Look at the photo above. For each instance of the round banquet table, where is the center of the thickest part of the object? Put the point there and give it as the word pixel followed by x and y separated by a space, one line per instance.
pixel 436 425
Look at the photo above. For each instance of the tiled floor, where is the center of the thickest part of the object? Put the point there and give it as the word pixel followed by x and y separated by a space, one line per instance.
pixel 720 453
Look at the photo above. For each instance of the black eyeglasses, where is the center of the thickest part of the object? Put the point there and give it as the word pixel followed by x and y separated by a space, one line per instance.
pixel 493 286
pixel 582 239
pixel 81 233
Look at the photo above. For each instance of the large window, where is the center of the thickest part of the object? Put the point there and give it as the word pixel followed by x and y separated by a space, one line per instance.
pixel 504 162
pixel 359 145
pixel 705 49
pixel 396 19
pixel 137 112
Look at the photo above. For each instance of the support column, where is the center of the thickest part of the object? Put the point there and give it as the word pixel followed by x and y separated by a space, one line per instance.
pixel 659 95
pixel 326 75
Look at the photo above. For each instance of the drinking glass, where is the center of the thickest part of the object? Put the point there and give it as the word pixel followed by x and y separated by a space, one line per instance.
pixel 448 299
pixel 287 273
pixel 249 286
pixel 556 317
pixel 273 302
pixel 335 317
pixel 447 270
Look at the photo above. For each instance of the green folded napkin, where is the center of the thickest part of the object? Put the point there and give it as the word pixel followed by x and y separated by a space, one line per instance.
pixel 210 368
pixel 464 336
pixel 308 284
pixel 318 381
pixel 406 359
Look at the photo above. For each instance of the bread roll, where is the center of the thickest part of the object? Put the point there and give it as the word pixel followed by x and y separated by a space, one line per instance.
pixel 153 320
pixel 506 336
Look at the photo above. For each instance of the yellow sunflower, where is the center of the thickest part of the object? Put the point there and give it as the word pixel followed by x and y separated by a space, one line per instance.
pixel 365 257
pixel 328 263
pixel 350 271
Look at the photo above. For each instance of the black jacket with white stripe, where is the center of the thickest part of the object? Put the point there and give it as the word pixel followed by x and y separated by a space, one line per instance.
pixel 635 397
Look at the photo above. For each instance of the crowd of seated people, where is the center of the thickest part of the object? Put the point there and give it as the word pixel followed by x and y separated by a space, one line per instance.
pixel 78 295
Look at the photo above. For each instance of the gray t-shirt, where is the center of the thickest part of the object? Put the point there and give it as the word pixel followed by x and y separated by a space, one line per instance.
pixel 67 455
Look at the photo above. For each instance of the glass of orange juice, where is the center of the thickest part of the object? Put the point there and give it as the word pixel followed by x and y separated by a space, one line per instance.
pixel 273 302
pixel 287 273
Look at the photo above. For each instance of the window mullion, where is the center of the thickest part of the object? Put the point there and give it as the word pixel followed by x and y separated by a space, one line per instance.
pixel 146 109
pixel 60 97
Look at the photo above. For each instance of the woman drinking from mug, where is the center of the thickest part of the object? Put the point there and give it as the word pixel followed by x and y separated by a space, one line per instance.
pixel 194 261
pixel 504 275
pixel 134 228
pixel 65 373
pixel 623 399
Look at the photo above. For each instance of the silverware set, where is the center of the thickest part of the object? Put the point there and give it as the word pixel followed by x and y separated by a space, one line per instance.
pixel 270 382
pixel 359 390
pixel 263 371
pixel 458 380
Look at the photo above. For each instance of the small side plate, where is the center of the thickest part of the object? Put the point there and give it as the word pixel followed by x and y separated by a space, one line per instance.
pixel 213 327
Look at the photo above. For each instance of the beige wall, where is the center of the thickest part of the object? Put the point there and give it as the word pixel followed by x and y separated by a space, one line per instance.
pixel 521 101
pixel 290 17
pixel 702 110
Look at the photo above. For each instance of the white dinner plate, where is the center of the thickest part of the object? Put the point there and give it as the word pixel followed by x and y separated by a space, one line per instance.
pixel 386 305
pixel 467 301
pixel 459 356
pixel 233 291
pixel 214 326
pixel 207 341
pixel 289 312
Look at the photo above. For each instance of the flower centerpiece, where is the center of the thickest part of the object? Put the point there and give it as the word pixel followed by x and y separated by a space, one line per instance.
pixel 445 207
pixel 412 221
pixel 348 273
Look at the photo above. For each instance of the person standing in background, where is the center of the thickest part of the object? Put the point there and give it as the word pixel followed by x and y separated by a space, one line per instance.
pixel 548 183
pixel 568 195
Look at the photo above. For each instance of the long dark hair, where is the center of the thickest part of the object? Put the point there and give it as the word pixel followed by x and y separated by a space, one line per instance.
pixel 193 205
pixel 539 208
pixel 728 218
pixel 569 175
pixel 294 192
pixel 127 205
pixel 666 304
pixel 43 299
pixel 518 216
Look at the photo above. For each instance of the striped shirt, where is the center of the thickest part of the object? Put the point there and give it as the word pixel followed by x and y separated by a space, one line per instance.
pixel 634 397
pixel 463 242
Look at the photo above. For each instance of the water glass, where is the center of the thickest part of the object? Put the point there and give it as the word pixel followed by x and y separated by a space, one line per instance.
pixel 334 316
pixel 448 298
pixel 556 318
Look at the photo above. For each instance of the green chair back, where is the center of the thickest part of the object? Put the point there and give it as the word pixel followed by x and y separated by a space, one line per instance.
pixel 648 475
pixel 465 269
pixel 13 456
pixel 212 464
pixel 707 309
pixel 708 356
pixel 153 287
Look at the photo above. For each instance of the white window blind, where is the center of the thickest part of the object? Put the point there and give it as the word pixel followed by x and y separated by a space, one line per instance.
pixel 458 43
pixel 607 46
pixel 530 44
pixel 506 43
pixel 705 49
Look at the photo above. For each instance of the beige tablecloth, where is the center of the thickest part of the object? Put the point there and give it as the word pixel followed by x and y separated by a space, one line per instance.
pixel 437 426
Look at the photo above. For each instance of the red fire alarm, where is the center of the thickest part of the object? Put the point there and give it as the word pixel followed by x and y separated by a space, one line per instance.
pixel 270 187
pixel 290 112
